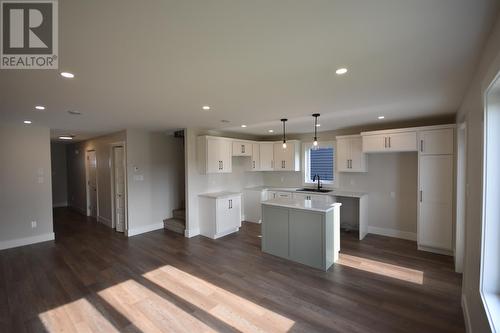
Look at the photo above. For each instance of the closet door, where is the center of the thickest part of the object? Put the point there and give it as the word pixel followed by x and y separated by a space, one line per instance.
pixel 435 225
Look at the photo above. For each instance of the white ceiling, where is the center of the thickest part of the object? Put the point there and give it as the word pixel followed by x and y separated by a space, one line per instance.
pixel 153 64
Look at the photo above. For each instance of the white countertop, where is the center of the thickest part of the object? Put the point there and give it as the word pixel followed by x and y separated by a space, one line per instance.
pixel 220 195
pixel 333 192
pixel 312 205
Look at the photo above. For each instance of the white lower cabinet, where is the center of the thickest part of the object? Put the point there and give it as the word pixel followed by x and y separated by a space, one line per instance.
pixel 316 197
pixel 252 208
pixel 219 214
pixel 435 213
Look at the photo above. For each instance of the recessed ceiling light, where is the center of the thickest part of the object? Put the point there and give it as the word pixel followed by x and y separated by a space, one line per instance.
pixel 67 75
pixel 64 137
pixel 205 107
pixel 39 107
pixel 318 125
pixel 243 126
pixel 341 71
pixel 27 122
pixel 74 112
pixel 381 117
pixel 271 131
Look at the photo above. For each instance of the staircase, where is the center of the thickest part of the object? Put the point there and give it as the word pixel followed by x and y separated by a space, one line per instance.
pixel 177 223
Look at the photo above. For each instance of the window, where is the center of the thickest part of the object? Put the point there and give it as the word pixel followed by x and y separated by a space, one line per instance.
pixel 319 161
pixel 490 265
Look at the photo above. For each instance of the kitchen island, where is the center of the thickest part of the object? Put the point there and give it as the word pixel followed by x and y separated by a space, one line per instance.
pixel 304 231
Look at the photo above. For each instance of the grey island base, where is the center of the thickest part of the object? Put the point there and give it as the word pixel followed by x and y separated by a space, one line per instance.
pixel 304 231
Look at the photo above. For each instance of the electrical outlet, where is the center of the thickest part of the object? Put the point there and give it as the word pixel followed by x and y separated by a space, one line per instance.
pixel 33 224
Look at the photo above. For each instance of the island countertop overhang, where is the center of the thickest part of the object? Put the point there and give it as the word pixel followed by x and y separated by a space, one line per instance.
pixel 310 205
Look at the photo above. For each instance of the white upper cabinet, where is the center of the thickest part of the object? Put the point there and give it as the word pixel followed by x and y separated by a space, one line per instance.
pixel 287 159
pixel 266 156
pixel 242 148
pixel 255 163
pixel 350 156
pixel 436 142
pixel 214 154
pixel 389 141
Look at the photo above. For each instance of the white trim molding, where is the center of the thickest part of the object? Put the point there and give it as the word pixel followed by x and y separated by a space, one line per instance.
pixel 191 232
pixel 9 244
pixel 465 310
pixel 143 229
pixel 393 233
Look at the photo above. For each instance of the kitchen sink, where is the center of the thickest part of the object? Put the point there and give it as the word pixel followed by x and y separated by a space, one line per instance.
pixel 313 190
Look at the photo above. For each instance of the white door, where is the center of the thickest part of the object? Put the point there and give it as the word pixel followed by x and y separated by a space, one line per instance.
pixel 343 149
pixel 437 142
pixel 266 156
pixel 356 155
pixel 435 226
pixel 255 157
pixel 119 188
pixel 226 155
pixel 91 184
pixel 405 141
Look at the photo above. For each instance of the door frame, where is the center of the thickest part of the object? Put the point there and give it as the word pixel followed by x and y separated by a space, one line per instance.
pixel 461 196
pixel 87 192
pixel 112 175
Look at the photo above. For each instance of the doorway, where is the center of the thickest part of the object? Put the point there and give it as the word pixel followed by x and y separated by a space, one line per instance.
pixel 461 196
pixel 91 182
pixel 118 176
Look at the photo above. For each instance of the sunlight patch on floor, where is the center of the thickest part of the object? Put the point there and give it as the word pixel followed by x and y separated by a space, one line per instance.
pixel 226 307
pixel 381 268
pixel 149 311
pixel 77 316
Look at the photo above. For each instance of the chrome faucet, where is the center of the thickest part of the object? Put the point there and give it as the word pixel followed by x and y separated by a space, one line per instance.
pixel 319 181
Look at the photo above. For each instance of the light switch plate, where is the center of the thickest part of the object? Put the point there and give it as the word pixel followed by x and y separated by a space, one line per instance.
pixel 33 224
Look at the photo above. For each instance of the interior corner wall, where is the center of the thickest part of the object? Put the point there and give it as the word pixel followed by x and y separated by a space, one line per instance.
pixel 77 193
pixel 155 179
pixel 198 183
pixel 472 111
pixel 59 174
pixel 25 186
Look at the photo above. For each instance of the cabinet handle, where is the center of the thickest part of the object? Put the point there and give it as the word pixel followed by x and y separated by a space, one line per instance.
pixel 230 203
pixel 242 149
pixel 385 142
pixel 222 165
pixel 421 146
pixel 389 142
pixel 253 164
pixel 421 195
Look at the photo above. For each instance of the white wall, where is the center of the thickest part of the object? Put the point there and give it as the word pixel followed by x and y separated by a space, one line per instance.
pixel 197 183
pixel 391 182
pixel 59 174
pixel 472 110
pixel 155 179
pixel 25 186
pixel 75 155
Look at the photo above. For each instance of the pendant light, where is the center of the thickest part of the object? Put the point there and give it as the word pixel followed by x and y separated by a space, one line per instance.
pixel 315 142
pixel 284 132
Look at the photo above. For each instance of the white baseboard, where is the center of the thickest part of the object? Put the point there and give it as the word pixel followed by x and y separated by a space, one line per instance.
pixel 393 233
pixel 60 204
pixel 143 229
pixel 26 241
pixel 225 233
pixel 191 232
pixel 434 250
pixel 465 310
pixel 105 221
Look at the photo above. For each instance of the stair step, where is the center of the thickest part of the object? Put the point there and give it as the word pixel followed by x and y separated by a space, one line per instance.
pixel 175 225
pixel 179 214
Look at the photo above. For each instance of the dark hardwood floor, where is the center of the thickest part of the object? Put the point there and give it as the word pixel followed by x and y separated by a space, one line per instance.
pixel 92 279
